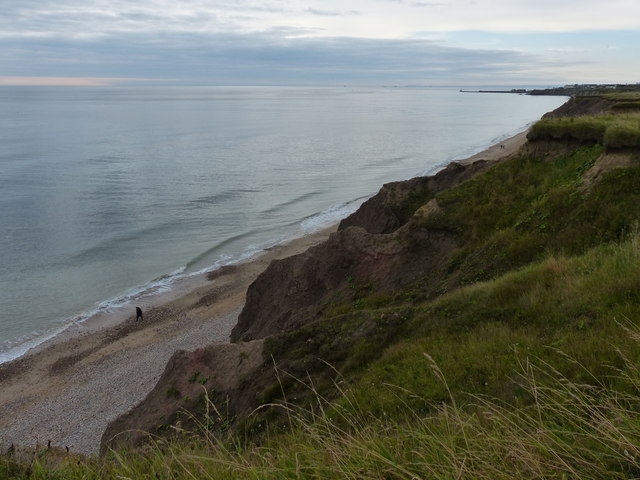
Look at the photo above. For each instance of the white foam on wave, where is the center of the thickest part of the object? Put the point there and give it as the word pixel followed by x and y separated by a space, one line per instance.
pixel 160 285
pixel 18 347
pixel 331 215
pixel 250 252
pixel 119 306
pixel 307 226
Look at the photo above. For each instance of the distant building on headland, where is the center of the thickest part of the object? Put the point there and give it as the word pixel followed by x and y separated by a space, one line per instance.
pixel 591 86
pixel 587 89
pixel 569 90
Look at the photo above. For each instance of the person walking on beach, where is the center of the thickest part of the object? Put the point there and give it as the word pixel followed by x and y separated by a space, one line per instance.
pixel 138 313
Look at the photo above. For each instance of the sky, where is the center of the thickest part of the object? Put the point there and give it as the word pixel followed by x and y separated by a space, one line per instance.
pixel 319 42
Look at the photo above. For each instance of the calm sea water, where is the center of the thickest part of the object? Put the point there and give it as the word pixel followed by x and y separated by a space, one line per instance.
pixel 109 193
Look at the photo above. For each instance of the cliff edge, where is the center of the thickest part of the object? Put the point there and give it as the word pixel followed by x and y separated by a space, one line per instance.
pixel 327 313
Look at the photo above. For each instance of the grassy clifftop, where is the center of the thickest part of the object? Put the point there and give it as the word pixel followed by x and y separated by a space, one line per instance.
pixel 613 131
pixel 615 125
pixel 514 355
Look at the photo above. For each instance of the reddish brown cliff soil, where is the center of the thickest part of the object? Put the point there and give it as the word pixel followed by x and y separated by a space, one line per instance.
pixel 217 370
pixel 382 246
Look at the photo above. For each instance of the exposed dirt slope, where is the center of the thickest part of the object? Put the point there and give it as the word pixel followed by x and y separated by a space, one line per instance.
pixel 217 369
pixel 382 245
pixel 396 202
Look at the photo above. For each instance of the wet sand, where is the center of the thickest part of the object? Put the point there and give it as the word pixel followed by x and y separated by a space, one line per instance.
pixel 69 389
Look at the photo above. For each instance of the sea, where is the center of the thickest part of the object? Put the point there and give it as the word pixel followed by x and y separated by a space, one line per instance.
pixel 110 195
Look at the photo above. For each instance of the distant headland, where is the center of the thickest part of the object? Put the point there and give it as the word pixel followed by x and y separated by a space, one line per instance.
pixel 569 90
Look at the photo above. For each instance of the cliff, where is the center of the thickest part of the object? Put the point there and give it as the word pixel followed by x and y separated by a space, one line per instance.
pixel 381 245
pixel 387 273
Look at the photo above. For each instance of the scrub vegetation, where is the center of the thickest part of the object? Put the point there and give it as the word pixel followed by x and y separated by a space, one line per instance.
pixel 612 131
pixel 617 129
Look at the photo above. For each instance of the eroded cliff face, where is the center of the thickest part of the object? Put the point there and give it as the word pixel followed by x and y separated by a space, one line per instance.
pixel 382 245
pixel 292 291
pixel 396 202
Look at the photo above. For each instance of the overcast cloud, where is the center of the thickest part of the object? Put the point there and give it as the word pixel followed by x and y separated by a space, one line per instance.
pixel 334 42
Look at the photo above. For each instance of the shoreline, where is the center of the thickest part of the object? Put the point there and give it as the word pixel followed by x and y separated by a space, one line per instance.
pixel 112 312
pixel 69 388
pixel 500 150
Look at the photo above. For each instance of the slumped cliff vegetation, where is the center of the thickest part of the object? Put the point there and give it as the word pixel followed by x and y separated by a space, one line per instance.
pixel 483 323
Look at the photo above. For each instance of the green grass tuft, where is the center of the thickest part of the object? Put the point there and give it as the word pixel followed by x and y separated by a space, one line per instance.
pixel 612 131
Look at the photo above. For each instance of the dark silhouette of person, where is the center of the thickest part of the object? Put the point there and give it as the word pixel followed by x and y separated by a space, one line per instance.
pixel 138 313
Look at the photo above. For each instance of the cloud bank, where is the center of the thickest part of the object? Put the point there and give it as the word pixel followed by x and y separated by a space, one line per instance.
pixel 264 59
pixel 319 42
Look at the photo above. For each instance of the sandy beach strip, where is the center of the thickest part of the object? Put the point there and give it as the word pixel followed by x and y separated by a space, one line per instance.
pixel 69 389
pixel 500 150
